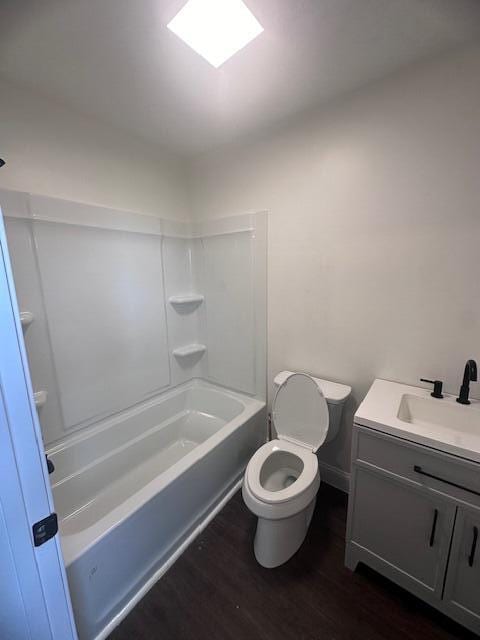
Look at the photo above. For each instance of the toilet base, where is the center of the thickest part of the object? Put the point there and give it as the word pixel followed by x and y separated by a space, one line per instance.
pixel 276 541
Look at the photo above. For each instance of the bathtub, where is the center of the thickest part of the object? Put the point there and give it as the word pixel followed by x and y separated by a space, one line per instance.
pixel 136 489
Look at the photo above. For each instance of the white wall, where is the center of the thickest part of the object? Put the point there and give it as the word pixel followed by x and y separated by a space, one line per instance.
pixel 50 150
pixel 374 230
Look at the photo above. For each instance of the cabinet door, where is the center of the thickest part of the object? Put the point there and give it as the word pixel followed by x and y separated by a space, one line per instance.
pixel 462 588
pixel 402 531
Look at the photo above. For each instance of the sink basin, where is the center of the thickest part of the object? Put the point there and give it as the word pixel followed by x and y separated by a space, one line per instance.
pixel 410 413
pixel 441 413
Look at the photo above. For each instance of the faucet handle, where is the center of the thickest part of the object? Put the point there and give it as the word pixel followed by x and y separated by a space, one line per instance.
pixel 437 387
pixel 50 465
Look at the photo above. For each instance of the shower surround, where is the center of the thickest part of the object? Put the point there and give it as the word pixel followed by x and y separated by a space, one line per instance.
pixel 146 341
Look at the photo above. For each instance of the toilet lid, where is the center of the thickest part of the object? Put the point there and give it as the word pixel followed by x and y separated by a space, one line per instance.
pixel 300 412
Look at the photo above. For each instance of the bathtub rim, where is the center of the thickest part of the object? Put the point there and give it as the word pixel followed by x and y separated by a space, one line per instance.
pixel 107 422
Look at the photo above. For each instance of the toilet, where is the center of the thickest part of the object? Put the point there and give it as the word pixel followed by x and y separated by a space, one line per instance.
pixel 282 478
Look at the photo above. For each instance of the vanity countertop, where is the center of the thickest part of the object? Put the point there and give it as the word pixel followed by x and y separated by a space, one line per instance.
pixel 411 413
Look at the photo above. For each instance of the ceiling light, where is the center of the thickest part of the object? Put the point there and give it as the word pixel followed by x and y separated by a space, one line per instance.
pixel 216 29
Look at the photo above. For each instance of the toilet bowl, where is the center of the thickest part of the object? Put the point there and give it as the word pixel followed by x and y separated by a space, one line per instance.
pixel 282 478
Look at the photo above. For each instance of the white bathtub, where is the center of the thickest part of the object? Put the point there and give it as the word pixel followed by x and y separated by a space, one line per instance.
pixel 135 490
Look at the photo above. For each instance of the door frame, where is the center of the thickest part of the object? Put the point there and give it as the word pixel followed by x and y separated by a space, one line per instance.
pixel 44 608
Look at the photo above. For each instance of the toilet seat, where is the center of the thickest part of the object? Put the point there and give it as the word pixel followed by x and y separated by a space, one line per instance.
pixel 304 481
pixel 300 412
pixel 301 419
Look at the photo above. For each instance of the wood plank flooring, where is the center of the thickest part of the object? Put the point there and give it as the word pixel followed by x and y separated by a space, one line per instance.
pixel 217 591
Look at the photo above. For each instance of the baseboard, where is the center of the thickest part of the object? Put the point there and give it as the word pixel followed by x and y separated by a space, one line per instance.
pixel 334 476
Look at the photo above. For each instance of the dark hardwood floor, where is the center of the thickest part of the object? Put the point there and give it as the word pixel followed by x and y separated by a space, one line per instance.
pixel 217 591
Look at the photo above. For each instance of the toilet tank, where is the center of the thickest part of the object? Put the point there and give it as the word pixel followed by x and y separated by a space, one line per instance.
pixel 335 394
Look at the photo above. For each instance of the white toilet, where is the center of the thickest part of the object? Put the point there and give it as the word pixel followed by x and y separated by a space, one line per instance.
pixel 282 478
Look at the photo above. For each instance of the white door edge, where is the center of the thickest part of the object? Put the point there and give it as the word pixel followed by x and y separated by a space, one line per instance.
pixel 25 494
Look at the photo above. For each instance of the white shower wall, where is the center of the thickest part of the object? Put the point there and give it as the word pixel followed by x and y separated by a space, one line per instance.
pixel 99 284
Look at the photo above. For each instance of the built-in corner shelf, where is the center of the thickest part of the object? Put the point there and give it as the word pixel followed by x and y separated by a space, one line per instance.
pixel 40 398
pixel 26 318
pixel 189 350
pixel 191 300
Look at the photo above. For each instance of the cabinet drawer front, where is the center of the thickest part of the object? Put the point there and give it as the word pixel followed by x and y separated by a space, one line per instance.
pixel 454 476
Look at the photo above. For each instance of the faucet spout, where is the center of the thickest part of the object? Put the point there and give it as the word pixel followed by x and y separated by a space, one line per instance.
pixel 469 375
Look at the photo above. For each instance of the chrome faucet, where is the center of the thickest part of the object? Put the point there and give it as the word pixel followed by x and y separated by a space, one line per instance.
pixel 469 375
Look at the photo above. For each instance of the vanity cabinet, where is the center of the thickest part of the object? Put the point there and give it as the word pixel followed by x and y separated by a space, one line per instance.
pixel 414 516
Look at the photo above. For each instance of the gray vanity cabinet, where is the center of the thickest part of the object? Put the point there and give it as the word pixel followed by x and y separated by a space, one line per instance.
pixel 414 516
pixel 403 528
pixel 462 587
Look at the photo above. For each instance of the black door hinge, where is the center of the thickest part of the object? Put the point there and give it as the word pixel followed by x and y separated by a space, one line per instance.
pixel 45 529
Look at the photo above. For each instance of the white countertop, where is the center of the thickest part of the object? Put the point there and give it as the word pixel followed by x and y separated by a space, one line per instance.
pixel 379 410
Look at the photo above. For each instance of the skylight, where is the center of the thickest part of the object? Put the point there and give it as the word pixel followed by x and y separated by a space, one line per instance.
pixel 216 29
